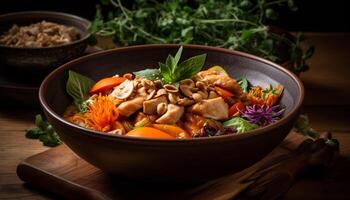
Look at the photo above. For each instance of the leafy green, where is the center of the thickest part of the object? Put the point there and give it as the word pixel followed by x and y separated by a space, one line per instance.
pixel 78 87
pixel 44 132
pixel 269 90
pixel 302 125
pixel 150 74
pixel 173 72
pixel 232 24
pixel 240 124
pixel 243 82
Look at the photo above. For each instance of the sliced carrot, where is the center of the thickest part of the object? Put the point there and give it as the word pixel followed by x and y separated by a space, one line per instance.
pixel 172 130
pixel 235 108
pixel 148 132
pixel 223 93
pixel 106 84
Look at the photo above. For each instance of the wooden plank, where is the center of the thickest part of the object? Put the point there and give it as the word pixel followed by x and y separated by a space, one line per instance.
pixel 60 171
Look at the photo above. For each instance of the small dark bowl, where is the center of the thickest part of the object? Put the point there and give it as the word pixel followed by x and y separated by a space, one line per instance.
pixel 177 160
pixel 45 58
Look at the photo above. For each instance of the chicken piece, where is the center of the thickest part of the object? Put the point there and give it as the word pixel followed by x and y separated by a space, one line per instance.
pixel 150 106
pixel 215 108
pixel 128 108
pixel 221 80
pixel 172 115
pixel 193 124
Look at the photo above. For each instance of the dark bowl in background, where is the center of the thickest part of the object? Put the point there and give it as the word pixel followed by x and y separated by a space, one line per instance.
pixel 190 160
pixel 46 58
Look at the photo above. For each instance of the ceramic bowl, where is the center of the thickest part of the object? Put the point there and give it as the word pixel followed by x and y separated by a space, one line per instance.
pixel 178 160
pixel 46 58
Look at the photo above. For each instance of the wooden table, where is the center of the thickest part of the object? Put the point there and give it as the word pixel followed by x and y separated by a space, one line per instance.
pixel 327 104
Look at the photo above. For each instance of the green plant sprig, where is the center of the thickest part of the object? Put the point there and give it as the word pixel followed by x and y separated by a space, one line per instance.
pixel 232 24
pixel 44 132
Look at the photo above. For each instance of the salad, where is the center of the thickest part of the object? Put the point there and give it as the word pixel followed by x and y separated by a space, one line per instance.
pixel 176 100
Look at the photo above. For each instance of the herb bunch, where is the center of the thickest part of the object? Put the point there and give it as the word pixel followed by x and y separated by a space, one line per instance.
pixel 44 132
pixel 232 24
pixel 172 71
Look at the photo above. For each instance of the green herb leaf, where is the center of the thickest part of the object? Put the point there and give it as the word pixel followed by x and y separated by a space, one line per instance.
pixel 190 67
pixel 40 123
pixel 204 22
pixel 240 124
pixel 271 14
pixel 78 87
pixel 243 82
pixel 150 74
pixel 34 133
pixel 44 132
pixel 172 72
pixel 310 52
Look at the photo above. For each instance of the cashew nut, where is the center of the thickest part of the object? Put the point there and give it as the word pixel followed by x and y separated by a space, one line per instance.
pixel 161 108
pixel 197 97
pixel 171 88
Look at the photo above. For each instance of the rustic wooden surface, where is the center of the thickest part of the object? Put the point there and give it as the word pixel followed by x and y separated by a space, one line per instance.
pixel 61 172
pixel 327 104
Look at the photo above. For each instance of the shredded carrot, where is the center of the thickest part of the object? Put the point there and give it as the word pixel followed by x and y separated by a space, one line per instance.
pixel 269 97
pixel 254 95
pixel 101 114
pixel 79 119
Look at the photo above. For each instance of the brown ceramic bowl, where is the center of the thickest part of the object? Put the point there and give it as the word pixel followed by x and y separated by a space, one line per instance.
pixel 45 58
pixel 178 160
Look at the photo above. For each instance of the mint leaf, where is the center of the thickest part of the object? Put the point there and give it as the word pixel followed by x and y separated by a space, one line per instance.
pixel 240 124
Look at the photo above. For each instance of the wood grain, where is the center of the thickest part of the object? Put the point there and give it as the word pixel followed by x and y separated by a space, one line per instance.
pixel 327 104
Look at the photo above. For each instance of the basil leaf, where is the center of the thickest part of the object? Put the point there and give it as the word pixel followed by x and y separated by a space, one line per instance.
pixel 189 67
pixel 169 69
pixel 177 57
pixel 240 124
pixel 172 72
pixel 150 74
pixel 78 87
pixel 166 74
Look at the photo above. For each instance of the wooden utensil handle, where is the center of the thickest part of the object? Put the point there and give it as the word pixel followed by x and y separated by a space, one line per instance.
pixel 45 180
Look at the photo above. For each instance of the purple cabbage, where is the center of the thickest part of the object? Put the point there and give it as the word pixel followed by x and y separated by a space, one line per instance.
pixel 262 115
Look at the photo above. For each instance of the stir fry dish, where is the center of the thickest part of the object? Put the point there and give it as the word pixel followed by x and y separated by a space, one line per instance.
pixel 176 100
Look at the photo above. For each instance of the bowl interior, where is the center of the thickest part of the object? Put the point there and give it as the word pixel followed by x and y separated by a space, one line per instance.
pixel 124 60
pixel 30 17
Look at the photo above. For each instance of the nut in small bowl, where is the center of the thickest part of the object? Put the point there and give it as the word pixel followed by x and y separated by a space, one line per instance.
pixel 41 40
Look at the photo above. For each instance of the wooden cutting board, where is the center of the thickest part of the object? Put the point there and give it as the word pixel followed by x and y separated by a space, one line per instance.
pixel 63 173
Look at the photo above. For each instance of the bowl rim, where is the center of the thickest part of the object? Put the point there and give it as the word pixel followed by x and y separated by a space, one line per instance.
pixel 81 20
pixel 152 141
